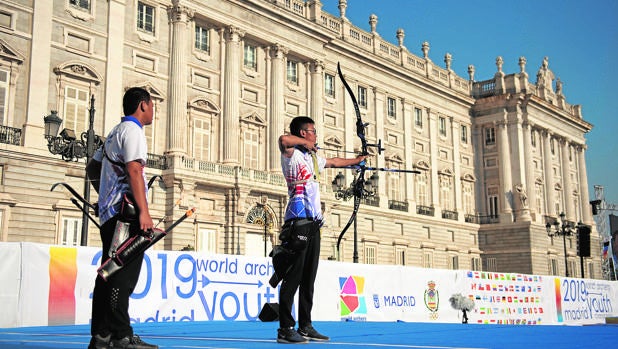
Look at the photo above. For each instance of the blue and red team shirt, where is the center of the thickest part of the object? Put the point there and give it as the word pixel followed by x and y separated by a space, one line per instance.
pixel 303 187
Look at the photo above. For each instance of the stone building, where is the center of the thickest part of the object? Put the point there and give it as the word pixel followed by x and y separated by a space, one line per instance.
pixel 499 159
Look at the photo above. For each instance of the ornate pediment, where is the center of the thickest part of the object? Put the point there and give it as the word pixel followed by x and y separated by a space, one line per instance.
pixel 422 165
pixel 334 142
pixel 254 118
pixel 468 177
pixel 148 86
pixel 395 157
pixel 446 172
pixel 79 70
pixel 204 104
pixel 7 53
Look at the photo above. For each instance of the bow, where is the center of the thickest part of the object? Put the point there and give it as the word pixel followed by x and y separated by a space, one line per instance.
pixel 358 185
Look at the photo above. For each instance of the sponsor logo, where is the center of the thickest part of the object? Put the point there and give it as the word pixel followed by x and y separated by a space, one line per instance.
pixel 352 298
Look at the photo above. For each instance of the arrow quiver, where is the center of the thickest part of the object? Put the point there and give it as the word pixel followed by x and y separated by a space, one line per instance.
pixel 136 244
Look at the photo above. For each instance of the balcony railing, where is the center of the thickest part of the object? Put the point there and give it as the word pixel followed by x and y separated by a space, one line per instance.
pixel 450 215
pixel 425 210
pixel 371 201
pixel 481 219
pixel 398 205
pixel 156 161
pixel 10 135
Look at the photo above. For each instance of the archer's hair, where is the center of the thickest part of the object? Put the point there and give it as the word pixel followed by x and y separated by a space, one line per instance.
pixel 297 124
pixel 132 98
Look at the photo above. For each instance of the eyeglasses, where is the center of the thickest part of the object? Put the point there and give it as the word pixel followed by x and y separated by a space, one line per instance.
pixel 313 130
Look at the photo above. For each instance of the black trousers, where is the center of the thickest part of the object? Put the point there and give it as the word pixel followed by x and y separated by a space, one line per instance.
pixel 110 299
pixel 302 277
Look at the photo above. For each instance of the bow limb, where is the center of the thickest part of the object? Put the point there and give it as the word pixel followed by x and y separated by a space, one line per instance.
pixel 74 193
pixel 350 221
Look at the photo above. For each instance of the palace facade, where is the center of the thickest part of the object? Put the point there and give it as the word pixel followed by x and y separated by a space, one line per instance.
pixel 498 159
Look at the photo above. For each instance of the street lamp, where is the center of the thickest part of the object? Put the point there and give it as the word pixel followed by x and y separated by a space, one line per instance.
pixel 346 193
pixel 564 229
pixel 73 149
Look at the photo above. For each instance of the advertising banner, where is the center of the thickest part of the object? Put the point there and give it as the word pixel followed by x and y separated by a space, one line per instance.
pixel 52 285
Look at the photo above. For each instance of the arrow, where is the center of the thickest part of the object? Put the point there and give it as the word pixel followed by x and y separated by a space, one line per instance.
pixel 205 281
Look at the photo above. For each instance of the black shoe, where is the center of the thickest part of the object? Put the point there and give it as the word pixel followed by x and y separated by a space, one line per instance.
pixel 289 336
pixel 310 333
pixel 133 342
pixel 98 342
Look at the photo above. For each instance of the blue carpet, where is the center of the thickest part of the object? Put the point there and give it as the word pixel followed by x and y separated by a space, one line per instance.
pixel 344 335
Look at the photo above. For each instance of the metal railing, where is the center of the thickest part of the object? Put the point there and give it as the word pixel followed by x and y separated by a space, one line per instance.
pixel 425 210
pixel 10 135
pixel 398 205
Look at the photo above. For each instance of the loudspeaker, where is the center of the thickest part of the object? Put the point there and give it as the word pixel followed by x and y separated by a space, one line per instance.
pixel 583 242
pixel 270 312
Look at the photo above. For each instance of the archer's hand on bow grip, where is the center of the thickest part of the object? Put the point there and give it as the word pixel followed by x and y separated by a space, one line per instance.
pixel 361 160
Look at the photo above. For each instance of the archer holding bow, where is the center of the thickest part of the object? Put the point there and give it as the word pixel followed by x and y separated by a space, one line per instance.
pixel 300 234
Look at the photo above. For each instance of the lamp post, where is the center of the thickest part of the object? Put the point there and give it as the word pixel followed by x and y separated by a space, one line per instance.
pixel 564 229
pixel 73 149
pixel 343 193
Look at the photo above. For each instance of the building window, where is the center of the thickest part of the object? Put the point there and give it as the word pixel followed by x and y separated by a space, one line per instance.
pixel 427 232
pixel 250 59
pixel 453 262
pixel 400 256
pixel 76 105
pixel 71 231
pixel 145 17
pixel 80 4
pixel 251 147
pixel 490 136
pixel 418 117
pixel 201 139
pixel 392 107
pixel 202 39
pixel 475 264
pixel 427 260
pixel 446 184
pixel 492 264
pixel 468 206
pixel 492 202
pixel 329 85
pixel 362 96
pixel 4 93
pixel 442 126
pixel 421 188
pixel 206 241
pixel 370 255
pixel 292 72
pixel 553 266
pixel 464 134
pixel 395 188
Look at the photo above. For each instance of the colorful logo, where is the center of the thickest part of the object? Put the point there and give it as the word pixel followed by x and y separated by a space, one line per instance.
pixel 351 296
pixel 432 299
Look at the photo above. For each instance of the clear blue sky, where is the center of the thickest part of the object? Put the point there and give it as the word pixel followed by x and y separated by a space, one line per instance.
pixel 579 37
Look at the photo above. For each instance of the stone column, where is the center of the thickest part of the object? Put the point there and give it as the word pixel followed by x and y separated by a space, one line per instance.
pixel 569 207
pixel 434 161
pixel 115 44
pixel 277 106
pixel 39 74
pixel 480 190
pixel 231 95
pixel 506 178
pixel 549 176
pixel 316 96
pixel 455 132
pixel 583 186
pixel 177 107
pixel 408 129
pixel 529 167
